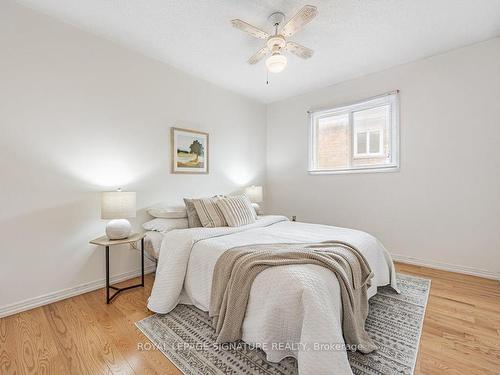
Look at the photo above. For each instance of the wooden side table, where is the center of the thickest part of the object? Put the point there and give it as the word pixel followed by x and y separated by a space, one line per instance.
pixel 106 242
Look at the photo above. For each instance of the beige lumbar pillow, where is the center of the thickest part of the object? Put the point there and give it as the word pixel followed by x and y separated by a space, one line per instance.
pixel 209 213
pixel 237 210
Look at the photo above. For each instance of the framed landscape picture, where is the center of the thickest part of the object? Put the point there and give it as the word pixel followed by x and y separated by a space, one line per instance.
pixel 189 151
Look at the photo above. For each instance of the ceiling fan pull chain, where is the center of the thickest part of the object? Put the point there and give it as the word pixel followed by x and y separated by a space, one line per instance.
pixel 267 78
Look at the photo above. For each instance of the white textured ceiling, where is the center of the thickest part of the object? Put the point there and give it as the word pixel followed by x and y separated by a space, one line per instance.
pixel 350 37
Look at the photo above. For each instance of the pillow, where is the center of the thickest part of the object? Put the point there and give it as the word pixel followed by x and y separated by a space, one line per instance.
pixel 237 210
pixel 167 212
pixel 165 225
pixel 209 213
pixel 193 218
pixel 256 207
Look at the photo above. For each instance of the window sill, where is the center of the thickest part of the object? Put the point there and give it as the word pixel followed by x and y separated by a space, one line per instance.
pixel 390 169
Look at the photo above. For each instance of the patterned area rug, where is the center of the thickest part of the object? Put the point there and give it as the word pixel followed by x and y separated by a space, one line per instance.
pixel 395 321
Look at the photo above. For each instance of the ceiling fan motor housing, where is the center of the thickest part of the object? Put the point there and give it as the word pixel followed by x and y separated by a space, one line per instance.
pixel 276 43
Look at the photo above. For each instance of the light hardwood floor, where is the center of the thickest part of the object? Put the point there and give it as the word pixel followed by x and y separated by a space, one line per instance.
pixel 83 335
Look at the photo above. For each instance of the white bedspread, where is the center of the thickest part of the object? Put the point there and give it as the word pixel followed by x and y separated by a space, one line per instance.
pixel 292 309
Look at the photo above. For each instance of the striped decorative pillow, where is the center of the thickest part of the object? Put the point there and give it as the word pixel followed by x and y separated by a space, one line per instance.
pixel 209 213
pixel 237 210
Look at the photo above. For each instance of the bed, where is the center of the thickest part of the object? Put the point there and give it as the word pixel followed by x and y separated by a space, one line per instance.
pixel 152 243
pixel 291 308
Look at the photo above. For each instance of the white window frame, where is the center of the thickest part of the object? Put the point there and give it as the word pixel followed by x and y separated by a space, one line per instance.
pixel 368 154
pixel 391 99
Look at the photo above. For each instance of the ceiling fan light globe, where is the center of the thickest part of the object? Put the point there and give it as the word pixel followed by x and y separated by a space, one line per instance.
pixel 276 63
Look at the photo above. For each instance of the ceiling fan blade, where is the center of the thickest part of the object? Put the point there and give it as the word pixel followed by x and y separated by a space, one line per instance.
pixel 258 56
pixel 250 29
pixel 304 16
pixel 299 50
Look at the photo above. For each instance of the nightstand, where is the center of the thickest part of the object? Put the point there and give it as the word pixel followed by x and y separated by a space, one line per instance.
pixel 106 242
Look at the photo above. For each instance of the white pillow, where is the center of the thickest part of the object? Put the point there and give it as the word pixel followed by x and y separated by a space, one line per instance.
pixel 256 207
pixel 167 212
pixel 165 225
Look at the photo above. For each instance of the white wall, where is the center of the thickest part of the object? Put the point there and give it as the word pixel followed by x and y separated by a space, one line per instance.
pixel 79 115
pixel 444 204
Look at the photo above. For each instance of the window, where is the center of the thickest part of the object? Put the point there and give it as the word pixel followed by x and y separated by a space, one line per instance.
pixel 360 137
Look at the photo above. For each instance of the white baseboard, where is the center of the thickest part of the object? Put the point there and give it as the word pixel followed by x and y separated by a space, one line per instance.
pixel 446 267
pixel 45 299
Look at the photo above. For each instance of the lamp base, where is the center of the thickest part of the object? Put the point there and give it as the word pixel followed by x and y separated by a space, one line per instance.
pixel 118 229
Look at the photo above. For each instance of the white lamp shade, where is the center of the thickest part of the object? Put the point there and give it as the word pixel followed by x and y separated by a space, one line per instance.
pixel 254 193
pixel 276 63
pixel 117 204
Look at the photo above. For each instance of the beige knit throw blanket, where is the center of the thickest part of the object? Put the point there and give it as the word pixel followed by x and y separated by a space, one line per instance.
pixel 237 268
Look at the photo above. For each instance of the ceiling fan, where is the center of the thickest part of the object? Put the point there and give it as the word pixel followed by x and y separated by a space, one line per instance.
pixel 277 43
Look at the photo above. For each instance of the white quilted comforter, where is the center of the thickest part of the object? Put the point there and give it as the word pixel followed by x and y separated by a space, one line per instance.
pixel 293 310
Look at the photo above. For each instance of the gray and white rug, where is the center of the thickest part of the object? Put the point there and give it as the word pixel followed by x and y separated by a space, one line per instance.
pixel 395 321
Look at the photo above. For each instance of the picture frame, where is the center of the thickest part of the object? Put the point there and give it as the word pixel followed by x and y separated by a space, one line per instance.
pixel 189 151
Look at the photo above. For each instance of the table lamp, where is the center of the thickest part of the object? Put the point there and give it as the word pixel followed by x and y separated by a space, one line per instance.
pixel 256 196
pixel 117 206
